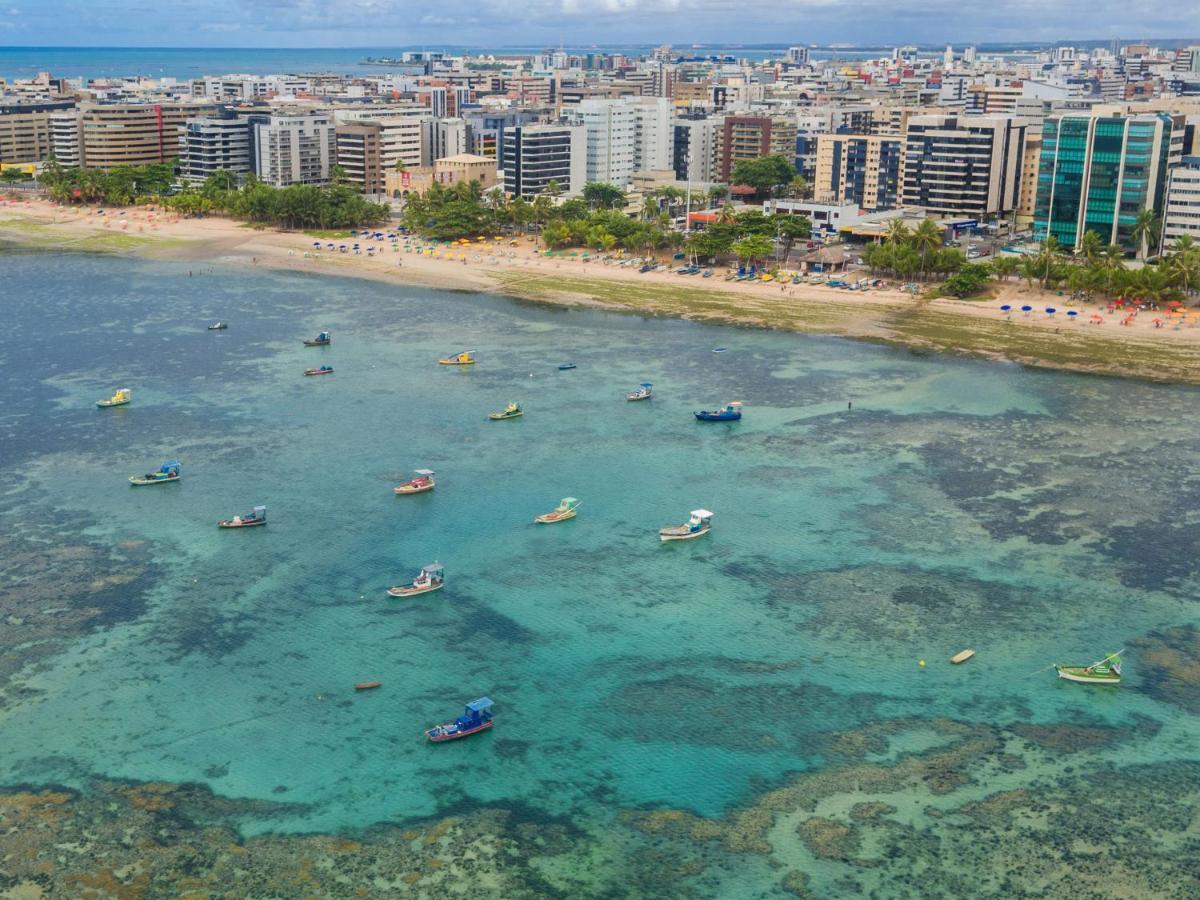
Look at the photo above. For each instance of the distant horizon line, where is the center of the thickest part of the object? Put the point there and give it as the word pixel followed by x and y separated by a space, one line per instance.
pixel 679 45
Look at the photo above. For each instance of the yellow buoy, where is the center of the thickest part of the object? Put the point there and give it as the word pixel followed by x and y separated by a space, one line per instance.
pixel 921 664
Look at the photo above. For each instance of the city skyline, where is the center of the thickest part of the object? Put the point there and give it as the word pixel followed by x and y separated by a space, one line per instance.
pixel 372 23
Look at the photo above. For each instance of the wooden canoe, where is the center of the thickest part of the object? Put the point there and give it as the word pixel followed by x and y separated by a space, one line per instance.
pixel 962 656
pixel 367 685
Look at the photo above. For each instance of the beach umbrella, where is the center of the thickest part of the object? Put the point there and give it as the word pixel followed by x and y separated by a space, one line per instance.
pixel 1027 309
pixel 1096 317
pixel 1174 304
pixel 1050 311
pixel 317 244
pixel 1072 314
pixel 1005 308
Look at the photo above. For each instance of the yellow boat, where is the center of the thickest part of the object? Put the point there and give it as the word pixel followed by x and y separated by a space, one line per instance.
pixel 962 656
pixel 512 411
pixel 565 510
pixel 120 398
pixel 419 485
pixel 466 358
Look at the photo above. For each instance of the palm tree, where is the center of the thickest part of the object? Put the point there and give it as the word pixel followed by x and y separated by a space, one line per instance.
pixel 897 231
pixel 726 215
pixel 1091 246
pixel 798 188
pixel 927 239
pixel 649 208
pixel 1145 232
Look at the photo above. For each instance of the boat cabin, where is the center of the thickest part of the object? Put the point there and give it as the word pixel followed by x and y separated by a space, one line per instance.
pixel 434 573
pixel 423 476
pixel 169 470
pixel 700 518
pixel 476 713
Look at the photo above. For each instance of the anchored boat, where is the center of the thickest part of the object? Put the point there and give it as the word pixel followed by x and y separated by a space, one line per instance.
pixel 169 471
pixel 419 485
pixel 368 685
pixel 565 510
pixel 466 358
pixel 257 516
pixel 512 411
pixel 1105 671
pixel 563 367
pixel 320 370
pixel 218 326
pixel 699 524
pixel 321 340
pixel 431 578
pixel 643 392
pixel 476 717
pixel 730 412
pixel 120 398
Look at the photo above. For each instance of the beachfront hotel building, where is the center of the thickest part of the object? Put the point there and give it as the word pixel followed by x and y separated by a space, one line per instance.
pixel 66 143
pixel 1181 208
pixel 967 167
pixel 208 145
pixel 535 155
pixel 295 149
pixel 1098 172
pixel 859 169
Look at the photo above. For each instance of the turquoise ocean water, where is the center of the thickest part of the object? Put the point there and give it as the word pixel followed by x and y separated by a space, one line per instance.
pixel 1030 515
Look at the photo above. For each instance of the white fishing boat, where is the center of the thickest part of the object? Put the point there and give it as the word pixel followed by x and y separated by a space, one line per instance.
pixel 699 524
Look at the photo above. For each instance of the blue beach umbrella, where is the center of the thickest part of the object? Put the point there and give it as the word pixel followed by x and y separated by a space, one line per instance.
pixel 1072 313
pixel 1027 309
pixel 1050 311
pixel 317 244
pixel 1005 308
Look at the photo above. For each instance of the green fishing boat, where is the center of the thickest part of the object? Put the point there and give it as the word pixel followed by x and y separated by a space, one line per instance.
pixel 1106 671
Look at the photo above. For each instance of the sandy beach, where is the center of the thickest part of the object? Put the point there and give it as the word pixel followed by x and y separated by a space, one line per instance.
pixel 1151 344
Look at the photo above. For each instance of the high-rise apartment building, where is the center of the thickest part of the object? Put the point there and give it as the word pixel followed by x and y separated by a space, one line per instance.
pixel 66 140
pixel 1181 208
pixel 1097 173
pixel 25 130
pixel 133 134
pixel 967 167
pixel 295 149
pixel 1031 160
pixel 860 169
pixel 611 140
pixel 694 152
pixel 360 155
pixel 750 137
pixel 208 144
pixel 535 155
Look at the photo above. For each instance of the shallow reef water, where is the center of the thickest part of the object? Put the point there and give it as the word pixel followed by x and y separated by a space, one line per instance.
pixel 739 716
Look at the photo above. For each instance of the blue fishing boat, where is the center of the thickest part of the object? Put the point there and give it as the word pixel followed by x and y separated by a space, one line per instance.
pixel 321 340
pixel 698 524
pixel 565 366
pixel 730 412
pixel 168 471
pixel 476 717
pixel 320 370
pixel 644 392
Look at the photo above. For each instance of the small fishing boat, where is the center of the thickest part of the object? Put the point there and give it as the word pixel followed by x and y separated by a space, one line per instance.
pixel 476 717
pixel 168 471
pixel 257 516
pixel 431 578
pixel 566 509
pixel 120 398
pixel 719 349
pixel 466 358
pixel 368 685
pixel 730 412
pixel 962 656
pixel 699 524
pixel 321 340
pixel 512 411
pixel 644 392
pixel 320 370
pixel 419 485
pixel 1105 671
pixel 563 367
pixel 218 326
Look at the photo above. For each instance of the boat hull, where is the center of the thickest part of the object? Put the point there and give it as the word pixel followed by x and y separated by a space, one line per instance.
pixel 634 397
pixel 106 404
pixel 1076 674
pixel 229 523
pixel 500 417
pixel 455 362
pixel 717 417
pixel 318 371
pixel 414 489
pixel 368 685
pixel 466 732
pixel 413 592
pixel 138 481
pixel 550 518
pixel 669 534
pixel 317 343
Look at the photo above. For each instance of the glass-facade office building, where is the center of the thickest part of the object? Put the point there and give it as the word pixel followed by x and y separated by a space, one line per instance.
pixel 1097 173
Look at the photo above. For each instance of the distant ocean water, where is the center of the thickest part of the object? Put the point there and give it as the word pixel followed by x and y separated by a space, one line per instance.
pixel 192 62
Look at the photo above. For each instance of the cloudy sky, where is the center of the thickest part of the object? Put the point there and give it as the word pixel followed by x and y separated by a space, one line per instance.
pixel 377 23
